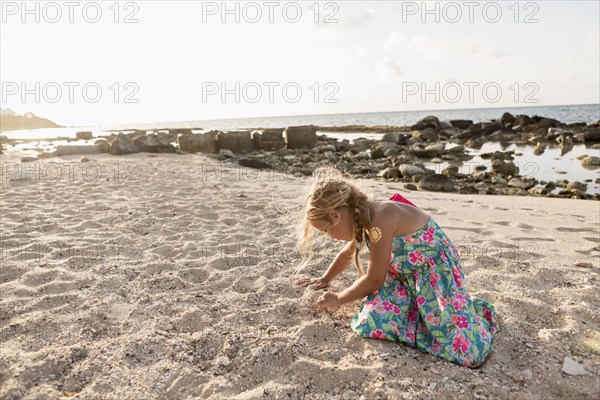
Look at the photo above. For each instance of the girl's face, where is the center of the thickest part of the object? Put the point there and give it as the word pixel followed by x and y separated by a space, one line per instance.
pixel 340 227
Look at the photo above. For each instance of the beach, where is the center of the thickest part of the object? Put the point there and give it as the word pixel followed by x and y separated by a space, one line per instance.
pixel 169 276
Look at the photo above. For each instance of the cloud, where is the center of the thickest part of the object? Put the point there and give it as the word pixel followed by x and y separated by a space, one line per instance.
pixel 388 68
pixel 346 18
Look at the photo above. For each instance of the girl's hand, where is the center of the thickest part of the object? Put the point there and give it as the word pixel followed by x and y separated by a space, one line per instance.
pixel 318 282
pixel 328 300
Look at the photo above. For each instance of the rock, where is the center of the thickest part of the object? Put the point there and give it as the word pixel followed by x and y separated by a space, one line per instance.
pixel 390 173
pixel 306 159
pixel 83 160
pixel 578 187
pixel 433 150
pixel 592 135
pixel 427 122
pixel 363 155
pixel 410 186
pixel 395 137
pixel 508 118
pixel 583 264
pixel 224 361
pixel 504 168
pixel 226 153
pixel 460 149
pixel 28 159
pixel 521 183
pixel 299 137
pixel 103 144
pixel 436 183
pixel 153 144
pixel 425 135
pixel 527 374
pixel 591 161
pixel 236 141
pixel 270 139
pixel 249 163
pixel 255 352
pixel 571 367
pixel 84 135
pixel 461 123
pixel 123 145
pixel 408 170
pixel 200 142
pixel 327 147
pixel 539 149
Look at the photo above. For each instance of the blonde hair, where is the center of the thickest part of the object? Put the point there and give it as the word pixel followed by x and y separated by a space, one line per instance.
pixel 331 191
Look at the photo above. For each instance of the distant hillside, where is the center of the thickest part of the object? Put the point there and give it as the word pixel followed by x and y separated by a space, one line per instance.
pixel 10 122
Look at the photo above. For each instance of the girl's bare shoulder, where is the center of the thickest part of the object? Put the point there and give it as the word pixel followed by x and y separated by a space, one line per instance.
pixel 399 218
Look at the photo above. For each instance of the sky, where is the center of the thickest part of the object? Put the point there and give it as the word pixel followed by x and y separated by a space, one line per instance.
pixel 191 60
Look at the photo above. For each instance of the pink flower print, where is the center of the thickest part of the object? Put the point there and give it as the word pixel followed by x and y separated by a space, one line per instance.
pixel 396 310
pixel 401 292
pixel 410 334
pixel 436 346
pixel 487 314
pixel 460 321
pixel 432 320
pixel 461 343
pixel 433 279
pixel 410 239
pixel 420 300
pixel 459 302
pixel 457 277
pixel 428 235
pixel 412 315
pixel 378 334
pixel 442 302
pixel 393 272
pixel 387 306
pixel 369 306
pixel 415 257
pixel 443 255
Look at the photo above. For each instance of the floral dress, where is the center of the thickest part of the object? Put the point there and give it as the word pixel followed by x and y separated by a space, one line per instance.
pixel 425 303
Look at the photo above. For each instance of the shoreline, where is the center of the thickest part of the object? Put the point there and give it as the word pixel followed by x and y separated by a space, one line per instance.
pixel 430 155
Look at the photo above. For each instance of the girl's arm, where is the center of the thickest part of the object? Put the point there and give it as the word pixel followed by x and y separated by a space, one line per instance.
pixel 379 258
pixel 341 261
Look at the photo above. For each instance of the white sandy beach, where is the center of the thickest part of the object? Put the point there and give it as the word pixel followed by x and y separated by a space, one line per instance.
pixel 163 279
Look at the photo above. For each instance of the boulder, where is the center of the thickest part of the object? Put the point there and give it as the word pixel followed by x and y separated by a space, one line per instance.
pixel 433 150
pixel 461 123
pixel 300 137
pixel 84 135
pixel 504 168
pixel 426 135
pixel 592 135
pixel 521 183
pixel 153 144
pixel 236 141
pixel 390 173
pixel 268 140
pixel 395 137
pixel 436 183
pixel 198 142
pixel 427 122
pixel 408 170
pixel 577 187
pixel 123 145
pixel 507 118
pixel 591 161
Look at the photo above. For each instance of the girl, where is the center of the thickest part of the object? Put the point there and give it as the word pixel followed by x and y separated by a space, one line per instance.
pixel 414 280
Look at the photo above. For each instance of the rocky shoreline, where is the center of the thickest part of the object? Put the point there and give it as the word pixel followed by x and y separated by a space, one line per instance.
pixel 399 155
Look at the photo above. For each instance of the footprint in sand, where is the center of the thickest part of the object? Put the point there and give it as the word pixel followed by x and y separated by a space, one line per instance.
pixel 567 229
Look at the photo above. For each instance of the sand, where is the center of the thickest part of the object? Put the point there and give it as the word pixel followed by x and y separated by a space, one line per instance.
pixel 162 279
